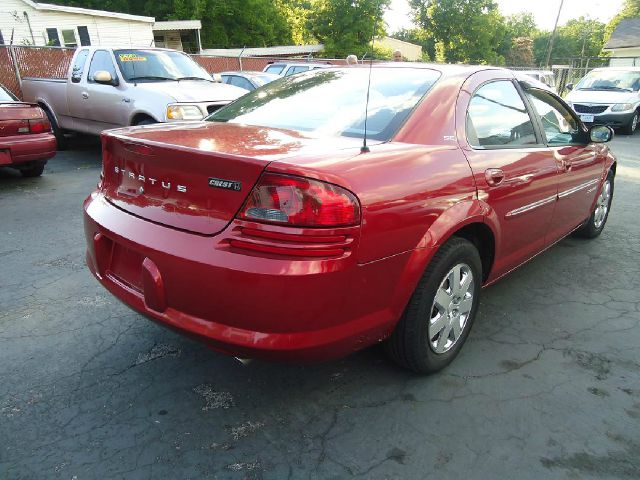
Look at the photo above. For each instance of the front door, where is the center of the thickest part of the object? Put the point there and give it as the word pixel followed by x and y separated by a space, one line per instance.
pixel 580 164
pixel 514 173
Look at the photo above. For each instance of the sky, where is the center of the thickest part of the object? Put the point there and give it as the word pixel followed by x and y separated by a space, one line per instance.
pixel 545 11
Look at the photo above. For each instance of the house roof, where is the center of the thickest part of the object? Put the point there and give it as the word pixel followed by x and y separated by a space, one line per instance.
pixel 264 51
pixel 626 34
pixel 87 11
pixel 177 25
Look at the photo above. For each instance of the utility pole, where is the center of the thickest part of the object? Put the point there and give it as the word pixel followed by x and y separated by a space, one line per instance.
pixel 553 35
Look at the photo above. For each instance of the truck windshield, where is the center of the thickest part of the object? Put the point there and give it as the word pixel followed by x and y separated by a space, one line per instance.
pixel 610 80
pixel 330 102
pixel 158 65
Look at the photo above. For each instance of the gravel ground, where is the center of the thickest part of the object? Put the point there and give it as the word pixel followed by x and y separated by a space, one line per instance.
pixel 547 386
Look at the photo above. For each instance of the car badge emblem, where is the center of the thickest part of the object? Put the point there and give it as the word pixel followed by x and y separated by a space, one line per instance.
pixel 141 190
pixel 226 184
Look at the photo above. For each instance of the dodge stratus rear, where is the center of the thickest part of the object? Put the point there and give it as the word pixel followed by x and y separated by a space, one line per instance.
pixel 275 230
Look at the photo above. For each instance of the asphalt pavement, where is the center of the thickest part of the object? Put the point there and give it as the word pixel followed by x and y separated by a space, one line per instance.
pixel 547 386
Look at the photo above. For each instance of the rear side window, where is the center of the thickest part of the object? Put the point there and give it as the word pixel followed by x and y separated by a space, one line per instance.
pixel 497 117
pixel 101 61
pixel 277 69
pixel 297 69
pixel 240 82
pixel 558 124
pixel 78 66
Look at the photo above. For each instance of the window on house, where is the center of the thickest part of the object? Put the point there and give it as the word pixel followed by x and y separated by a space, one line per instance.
pixel 52 36
pixel 1 38
pixel 159 41
pixel 69 38
pixel 83 33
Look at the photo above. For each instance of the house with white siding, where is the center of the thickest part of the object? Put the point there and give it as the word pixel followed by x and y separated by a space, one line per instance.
pixel 624 45
pixel 25 22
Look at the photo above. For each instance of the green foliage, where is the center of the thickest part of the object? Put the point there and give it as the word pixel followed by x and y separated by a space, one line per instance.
pixel 468 31
pixel 570 40
pixel 346 26
pixel 296 14
pixel 630 8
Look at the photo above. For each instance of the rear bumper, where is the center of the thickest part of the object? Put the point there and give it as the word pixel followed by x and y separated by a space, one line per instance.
pixel 248 305
pixel 27 148
pixel 614 120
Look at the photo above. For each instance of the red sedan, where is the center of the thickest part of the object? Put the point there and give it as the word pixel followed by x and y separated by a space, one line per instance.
pixel 274 230
pixel 26 141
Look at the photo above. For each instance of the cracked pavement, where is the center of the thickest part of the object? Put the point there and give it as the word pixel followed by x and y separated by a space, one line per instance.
pixel 547 386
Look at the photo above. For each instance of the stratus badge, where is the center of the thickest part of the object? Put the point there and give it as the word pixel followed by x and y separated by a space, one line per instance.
pixel 226 184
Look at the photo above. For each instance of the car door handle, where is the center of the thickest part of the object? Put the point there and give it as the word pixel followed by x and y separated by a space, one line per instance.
pixel 85 95
pixel 566 166
pixel 494 176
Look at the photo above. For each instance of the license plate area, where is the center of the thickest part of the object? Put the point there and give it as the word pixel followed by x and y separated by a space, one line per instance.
pixel 126 266
pixel 587 118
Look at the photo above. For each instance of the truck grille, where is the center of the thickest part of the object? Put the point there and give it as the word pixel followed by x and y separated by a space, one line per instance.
pixel 593 109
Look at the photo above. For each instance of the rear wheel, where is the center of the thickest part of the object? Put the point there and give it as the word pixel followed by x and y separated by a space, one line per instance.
pixel 438 318
pixel 598 218
pixel 632 126
pixel 61 140
pixel 34 169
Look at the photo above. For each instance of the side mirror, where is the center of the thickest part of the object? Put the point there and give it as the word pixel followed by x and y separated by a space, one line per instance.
pixel 105 78
pixel 569 86
pixel 600 134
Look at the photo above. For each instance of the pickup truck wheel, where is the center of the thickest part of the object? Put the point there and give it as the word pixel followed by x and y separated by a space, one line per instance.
pixel 35 169
pixel 439 315
pixel 594 226
pixel 61 140
pixel 632 126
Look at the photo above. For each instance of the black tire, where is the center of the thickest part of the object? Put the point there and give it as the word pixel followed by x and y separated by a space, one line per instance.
pixel 410 345
pixel 61 140
pixel 145 121
pixel 631 127
pixel 594 226
pixel 34 169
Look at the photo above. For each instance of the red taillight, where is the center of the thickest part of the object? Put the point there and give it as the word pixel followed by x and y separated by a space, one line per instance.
pixel 303 202
pixel 39 126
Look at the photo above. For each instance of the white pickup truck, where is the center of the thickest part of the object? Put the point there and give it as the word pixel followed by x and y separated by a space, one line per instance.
pixel 110 87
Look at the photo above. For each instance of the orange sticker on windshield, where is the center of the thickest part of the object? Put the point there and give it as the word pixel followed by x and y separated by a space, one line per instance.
pixel 131 57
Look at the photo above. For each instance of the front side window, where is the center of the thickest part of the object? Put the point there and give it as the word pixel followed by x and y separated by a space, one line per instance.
pixel 331 102
pixel 78 66
pixel 101 61
pixel 497 117
pixel 558 124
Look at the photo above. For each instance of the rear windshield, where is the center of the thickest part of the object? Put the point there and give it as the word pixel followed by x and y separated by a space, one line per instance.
pixel 274 69
pixel 330 102
pixel 610 80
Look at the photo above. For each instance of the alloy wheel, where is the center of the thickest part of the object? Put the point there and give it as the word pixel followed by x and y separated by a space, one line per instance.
pixel 451 308
pixel 602 204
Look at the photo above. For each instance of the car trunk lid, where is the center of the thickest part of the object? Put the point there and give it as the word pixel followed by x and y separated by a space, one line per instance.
pixel 15 116
pixel 193 177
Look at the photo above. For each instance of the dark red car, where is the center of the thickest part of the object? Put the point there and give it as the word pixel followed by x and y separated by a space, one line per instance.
pixel 271 231
pixel 26 141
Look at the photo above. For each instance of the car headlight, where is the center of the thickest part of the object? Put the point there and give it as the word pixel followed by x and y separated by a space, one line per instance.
pixel 184 112
pixel 622 107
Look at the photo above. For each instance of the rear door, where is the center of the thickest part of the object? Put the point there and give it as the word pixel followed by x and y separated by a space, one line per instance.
pixel 514 173
pixel 580 165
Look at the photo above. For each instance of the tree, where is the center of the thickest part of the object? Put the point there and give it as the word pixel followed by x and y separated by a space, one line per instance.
pixel 582 37
pixel 630 8
pixel 521 53
pixel 463 30
pixel 296 14
pixel 347 26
